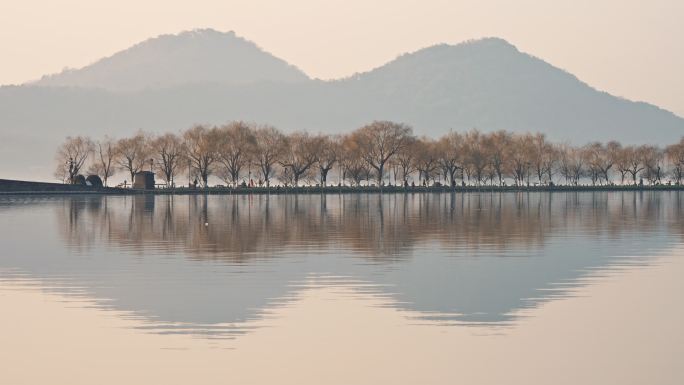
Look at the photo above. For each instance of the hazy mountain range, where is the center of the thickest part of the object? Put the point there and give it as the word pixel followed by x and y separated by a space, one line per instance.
pixel 173 81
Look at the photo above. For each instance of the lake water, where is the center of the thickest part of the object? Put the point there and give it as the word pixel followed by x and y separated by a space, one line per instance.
pixel 476 288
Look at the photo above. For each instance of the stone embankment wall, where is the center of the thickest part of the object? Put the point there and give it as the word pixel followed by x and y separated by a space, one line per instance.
pixel 20 186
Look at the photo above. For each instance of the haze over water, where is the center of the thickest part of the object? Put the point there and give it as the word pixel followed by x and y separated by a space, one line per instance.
pixel 359 288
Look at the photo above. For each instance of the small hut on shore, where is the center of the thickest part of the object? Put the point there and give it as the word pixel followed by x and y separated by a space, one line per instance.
pixel 94 181
pixel 143 180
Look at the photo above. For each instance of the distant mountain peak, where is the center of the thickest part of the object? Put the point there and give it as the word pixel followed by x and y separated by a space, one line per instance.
pixel 491 41
pixel 200 33
pixel 205 31
pixel 189 57
pixel 483 44
pixel 444 57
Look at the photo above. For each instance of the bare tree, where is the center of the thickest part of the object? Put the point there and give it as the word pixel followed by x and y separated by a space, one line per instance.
pixel 622 162
pixel 476 158
pixel 300 152
pixel 71 156
pixel 631 162
pixel 267 151
pixel 404 159
pixel 519 155
pixel 286 177
pixel 236 146
pixel 105 159
pixel 354 167
pixel 168 151
pixel 543 157
pixel 589 153
pixel 601 159
pixel 571 163
pixel 133 153
pixel 329 155
pixel 380 141
pixel 653 158
pixel 498 143
pixel 675 155
pixel 449 149
pixel 426 159
pixel 201 150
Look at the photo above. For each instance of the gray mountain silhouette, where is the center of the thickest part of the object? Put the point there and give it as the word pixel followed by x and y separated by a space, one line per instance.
pixel 196 56
pixel 174 81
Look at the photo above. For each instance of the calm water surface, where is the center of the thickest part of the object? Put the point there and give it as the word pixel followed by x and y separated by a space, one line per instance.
pixel 418 288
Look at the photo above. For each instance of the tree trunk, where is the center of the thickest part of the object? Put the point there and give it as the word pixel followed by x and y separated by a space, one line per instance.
pixel 381 171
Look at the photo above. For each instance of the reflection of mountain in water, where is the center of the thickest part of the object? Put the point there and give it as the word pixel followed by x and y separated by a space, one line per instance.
pixel 465 258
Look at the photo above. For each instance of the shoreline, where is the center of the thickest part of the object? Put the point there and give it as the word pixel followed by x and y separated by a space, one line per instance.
pixel 8 187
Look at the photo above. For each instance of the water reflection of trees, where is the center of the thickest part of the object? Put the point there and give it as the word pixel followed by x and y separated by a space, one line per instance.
pixel 377 226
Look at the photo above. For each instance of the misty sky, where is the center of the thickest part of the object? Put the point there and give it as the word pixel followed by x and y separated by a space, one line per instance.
pixel 630 48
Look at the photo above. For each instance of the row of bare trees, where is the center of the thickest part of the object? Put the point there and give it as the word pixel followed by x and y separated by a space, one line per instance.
pixel 375 152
